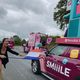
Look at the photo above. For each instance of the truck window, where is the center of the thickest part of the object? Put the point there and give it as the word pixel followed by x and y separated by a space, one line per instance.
pixel 58 50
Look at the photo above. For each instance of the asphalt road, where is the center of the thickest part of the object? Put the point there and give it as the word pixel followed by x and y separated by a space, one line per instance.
pixel 18 69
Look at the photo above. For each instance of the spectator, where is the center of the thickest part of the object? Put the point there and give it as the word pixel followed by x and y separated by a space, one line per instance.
pixel 4 55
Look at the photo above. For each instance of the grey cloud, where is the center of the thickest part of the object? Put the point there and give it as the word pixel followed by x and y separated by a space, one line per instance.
pixel 25 16
pixel 3 12
pixel 36 6
pixel 23 28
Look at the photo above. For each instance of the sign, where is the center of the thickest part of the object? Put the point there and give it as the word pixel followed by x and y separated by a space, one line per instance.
pixel 38 38
pixel 78 7
pixel 49 40
pixel 65 61
pixel 58 68
pixel 74 53
pixel 31 40
pixel 69 2
pixel 73 41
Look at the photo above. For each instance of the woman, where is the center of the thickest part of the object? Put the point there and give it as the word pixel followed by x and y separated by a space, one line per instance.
pixel 4 55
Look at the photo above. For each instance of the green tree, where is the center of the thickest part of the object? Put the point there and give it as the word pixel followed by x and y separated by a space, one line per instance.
pixel 43 38
pixel 60 11
pixel 17 40
pixel 24 41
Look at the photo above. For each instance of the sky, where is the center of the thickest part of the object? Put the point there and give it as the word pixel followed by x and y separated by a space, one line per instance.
pixel 22 17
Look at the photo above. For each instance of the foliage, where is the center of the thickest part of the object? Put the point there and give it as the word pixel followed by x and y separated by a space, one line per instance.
pixel 17 40
pixel 49 46
pixel 24 41
pixel 60 11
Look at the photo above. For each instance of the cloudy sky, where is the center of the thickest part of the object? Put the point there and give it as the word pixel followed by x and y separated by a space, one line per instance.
pixel 24 16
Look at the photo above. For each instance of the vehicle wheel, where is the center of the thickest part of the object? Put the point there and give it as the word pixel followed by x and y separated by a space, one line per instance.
pixel 36 67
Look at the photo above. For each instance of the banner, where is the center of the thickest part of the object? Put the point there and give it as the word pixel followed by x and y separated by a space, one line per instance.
pixel 34 54
pixel 78 7
pixel 73 41
pixel 31 40
pixel 38 38
pixel 49 40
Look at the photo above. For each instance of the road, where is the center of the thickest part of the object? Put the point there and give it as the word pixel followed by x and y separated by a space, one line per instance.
pixel 18 69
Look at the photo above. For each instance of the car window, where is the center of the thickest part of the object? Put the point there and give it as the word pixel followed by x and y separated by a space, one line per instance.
pixel 58 50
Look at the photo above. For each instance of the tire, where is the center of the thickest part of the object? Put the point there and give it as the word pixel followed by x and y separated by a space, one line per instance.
pixel 36 67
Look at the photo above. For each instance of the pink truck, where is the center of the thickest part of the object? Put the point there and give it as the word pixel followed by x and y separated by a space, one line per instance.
pixel 62 62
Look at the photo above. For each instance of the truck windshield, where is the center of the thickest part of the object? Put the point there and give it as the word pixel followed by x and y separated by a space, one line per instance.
pixel 58 50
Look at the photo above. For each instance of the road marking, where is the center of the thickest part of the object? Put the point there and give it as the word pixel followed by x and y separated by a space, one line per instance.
pixel 48 76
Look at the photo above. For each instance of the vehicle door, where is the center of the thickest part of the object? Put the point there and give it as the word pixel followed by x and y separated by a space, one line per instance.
pixel 55 62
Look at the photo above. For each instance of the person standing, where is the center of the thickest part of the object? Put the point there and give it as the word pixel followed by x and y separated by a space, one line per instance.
pixel 4 55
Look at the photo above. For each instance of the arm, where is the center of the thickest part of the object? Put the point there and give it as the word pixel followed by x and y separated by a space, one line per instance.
pixel 2 56
pixel 11 51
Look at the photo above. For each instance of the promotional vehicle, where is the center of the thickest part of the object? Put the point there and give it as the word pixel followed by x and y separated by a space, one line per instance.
pixel 35 39
pixel 62 62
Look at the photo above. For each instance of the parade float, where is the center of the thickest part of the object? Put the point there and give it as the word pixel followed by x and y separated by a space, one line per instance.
pixel 74 18
pixel 37 43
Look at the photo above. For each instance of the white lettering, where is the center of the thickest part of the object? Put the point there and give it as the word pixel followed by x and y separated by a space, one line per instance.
pixel 48 65
pixel 58 68
pixel 61 70
pixel 71 40
pixel 67 72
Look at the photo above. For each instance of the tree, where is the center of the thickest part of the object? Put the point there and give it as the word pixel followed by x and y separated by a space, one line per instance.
pixel 60 11
pixel 24 41
pixel 17 40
